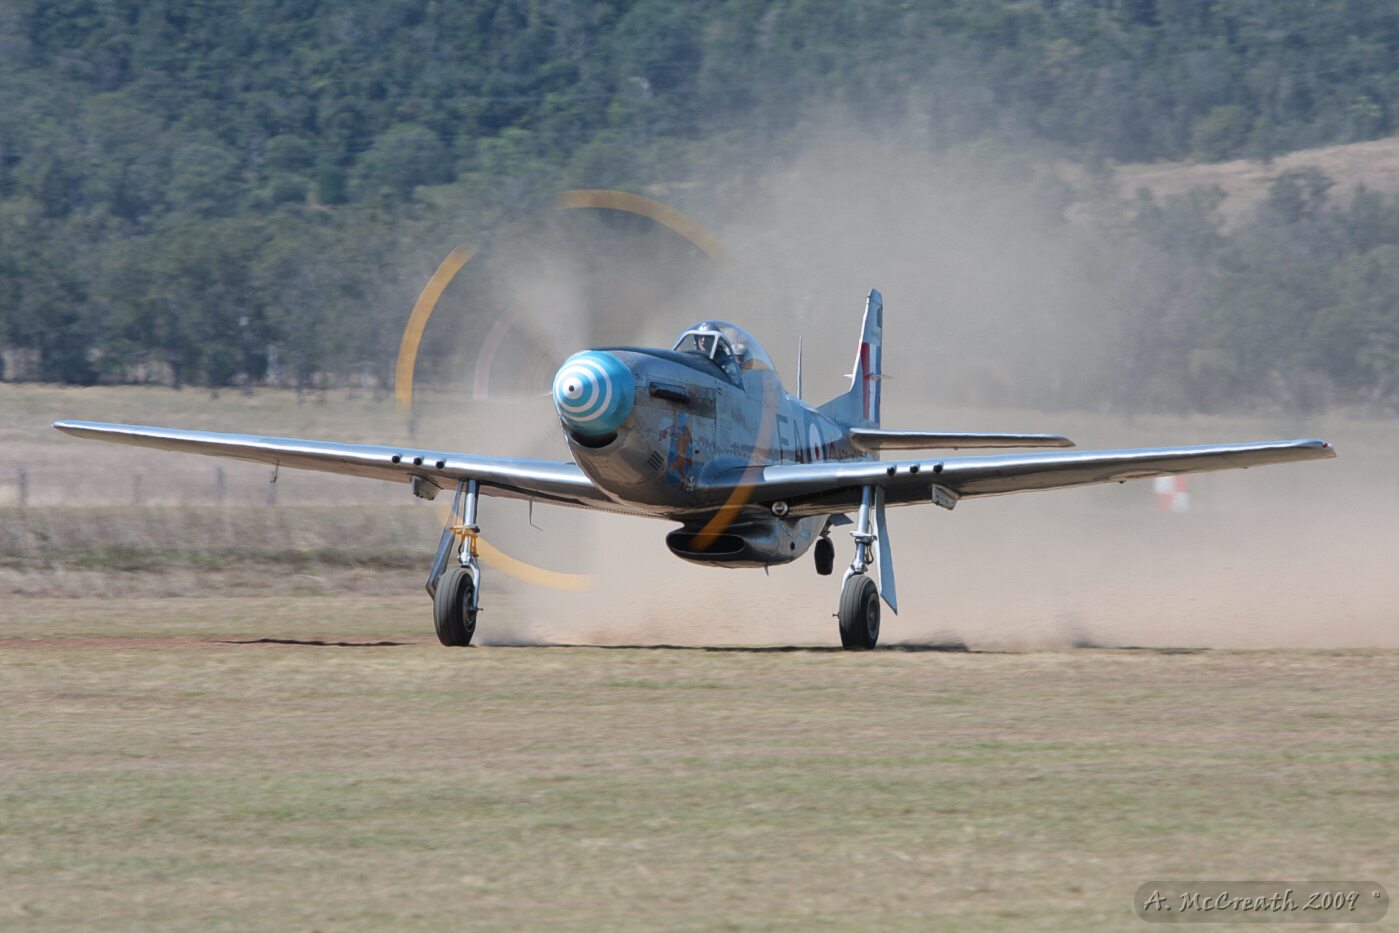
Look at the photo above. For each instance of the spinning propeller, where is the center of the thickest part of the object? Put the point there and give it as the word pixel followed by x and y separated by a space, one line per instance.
pixel 490 346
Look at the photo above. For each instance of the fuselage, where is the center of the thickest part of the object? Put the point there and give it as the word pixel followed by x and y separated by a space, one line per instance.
pixel 658 430
pixel 689 420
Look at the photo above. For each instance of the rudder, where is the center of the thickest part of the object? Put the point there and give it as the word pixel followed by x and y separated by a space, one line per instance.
pixel 859 405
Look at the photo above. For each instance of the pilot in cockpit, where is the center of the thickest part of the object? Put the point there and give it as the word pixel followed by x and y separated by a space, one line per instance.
pixel 717 349
pixel 719 354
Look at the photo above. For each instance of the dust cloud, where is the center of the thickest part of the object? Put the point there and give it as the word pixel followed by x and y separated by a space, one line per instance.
pixel 999 316
pixel 1263 559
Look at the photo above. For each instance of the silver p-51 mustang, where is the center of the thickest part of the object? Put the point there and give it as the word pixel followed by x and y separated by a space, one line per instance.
pixel 704 435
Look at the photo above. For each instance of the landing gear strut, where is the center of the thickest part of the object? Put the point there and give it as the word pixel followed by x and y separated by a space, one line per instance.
pixel 859 597
pixel 456 591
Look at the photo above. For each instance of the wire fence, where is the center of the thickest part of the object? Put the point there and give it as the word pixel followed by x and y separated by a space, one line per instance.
pixel 238 486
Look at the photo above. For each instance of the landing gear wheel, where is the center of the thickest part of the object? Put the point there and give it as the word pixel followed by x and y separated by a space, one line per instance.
pixel 825 554
pixel 859 614
pixel 452 614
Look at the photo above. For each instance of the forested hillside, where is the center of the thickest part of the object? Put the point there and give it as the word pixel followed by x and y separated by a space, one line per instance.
pixel 212 191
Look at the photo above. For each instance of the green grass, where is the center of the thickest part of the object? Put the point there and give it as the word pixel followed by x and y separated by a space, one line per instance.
pixel 163 770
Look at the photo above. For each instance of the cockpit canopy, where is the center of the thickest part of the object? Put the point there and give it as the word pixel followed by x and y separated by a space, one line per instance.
pixel 729 345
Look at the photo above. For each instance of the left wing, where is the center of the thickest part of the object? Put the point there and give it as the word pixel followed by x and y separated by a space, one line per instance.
pixel 817 488
pixel 560 482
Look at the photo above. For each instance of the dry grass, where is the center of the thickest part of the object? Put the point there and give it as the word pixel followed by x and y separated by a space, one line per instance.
pixel 201 730
pixel 131 551
pixel 1374 164
pixel 164 770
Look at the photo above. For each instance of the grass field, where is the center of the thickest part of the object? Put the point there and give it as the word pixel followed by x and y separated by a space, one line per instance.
pixel 166 769
pixel 234 716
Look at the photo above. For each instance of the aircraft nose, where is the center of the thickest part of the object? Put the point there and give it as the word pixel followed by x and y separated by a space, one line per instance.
pixel 594 392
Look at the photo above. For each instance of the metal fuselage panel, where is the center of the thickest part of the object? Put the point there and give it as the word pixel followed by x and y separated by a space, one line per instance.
pixel 693 421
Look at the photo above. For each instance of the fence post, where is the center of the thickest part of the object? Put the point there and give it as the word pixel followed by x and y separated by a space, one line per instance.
pixel 23 487
pixel 136 489
pixel 221 486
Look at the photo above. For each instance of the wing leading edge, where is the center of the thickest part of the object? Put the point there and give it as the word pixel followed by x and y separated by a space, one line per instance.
pixel 814 488
pixel 555 481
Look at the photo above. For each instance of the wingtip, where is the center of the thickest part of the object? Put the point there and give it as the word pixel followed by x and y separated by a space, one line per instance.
pixel 83 428
pixel 1324 449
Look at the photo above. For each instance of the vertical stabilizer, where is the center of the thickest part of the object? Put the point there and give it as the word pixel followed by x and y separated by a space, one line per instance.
pixel 859 405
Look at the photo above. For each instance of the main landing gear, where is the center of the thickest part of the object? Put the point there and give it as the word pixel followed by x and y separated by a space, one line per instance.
pixel 456 590
pixel 859 597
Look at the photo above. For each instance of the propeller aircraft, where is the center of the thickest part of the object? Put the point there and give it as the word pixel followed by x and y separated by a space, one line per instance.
pixel 704 436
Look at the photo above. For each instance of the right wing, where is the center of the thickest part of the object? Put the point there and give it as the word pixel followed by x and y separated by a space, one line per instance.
pixel 559 482
pixel 835 486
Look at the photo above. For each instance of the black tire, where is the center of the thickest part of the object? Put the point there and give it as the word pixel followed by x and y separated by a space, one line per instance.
pixel 825 554
pixel 859 614
pixel 452 614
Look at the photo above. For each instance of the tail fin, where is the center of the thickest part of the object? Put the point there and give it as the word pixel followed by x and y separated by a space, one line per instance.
pixel 859 405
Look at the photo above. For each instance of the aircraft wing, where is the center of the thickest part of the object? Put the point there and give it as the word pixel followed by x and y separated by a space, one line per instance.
pixel 559 482
pixel 817 488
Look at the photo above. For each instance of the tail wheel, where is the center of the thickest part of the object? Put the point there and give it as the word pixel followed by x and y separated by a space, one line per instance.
pixel 452 614
pixel 825 554
pixel 859 614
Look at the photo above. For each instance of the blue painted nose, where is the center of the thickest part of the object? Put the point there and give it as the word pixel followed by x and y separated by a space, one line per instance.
pixel 594 392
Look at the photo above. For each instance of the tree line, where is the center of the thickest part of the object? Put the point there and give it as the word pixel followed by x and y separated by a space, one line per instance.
pixel 208 192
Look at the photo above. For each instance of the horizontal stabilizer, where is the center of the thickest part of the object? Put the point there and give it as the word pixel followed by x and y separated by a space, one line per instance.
pixel 879 439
